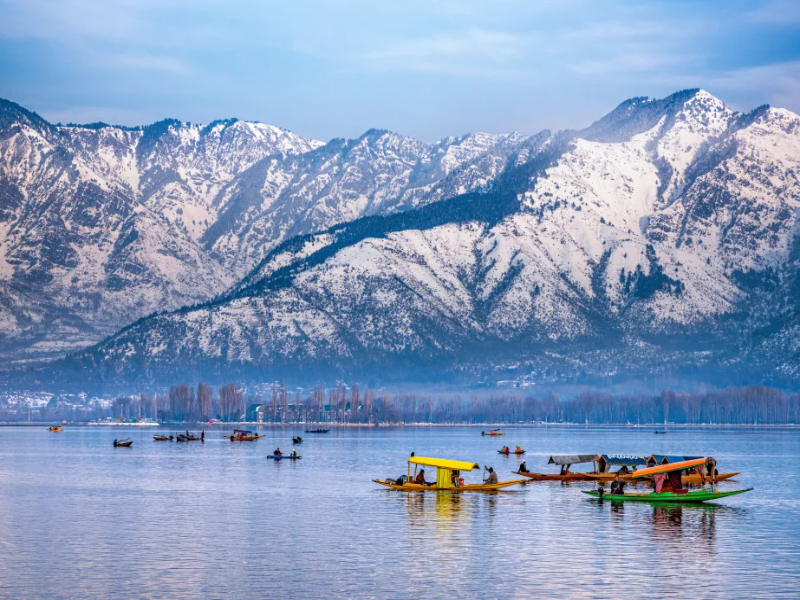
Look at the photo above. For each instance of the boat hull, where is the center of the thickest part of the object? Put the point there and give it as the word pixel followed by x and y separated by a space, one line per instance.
pixel 691 479
pixel 475 487
pixel 695 497
pixel 273 457
pixel 549 477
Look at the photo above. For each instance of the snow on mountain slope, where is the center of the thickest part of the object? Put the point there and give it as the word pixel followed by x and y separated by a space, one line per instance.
pixel 379 173
pixel 110 223
pixel 647 226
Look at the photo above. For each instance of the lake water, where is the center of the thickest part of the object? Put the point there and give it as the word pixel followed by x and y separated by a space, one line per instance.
pixel 83 519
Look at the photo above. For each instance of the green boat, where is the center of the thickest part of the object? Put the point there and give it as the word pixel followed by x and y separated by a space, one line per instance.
pixel 671 497
pixel 667 481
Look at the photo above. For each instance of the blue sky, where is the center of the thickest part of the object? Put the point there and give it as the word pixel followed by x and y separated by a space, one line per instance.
pixel 427 69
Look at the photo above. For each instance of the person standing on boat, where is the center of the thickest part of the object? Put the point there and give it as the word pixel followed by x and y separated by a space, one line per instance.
pixel 492 477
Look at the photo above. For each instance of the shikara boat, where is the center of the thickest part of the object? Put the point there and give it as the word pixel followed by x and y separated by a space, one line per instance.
pixel 56 428
pixel 124 443
pixel 162 438
pixel 320 430
pixel 627 463
pixel 668 487
pixel 284 457
pixel 190 437
pixel 241 435
pixel 565 461
pixel 493 432
pixel 447 477
pixel 689 477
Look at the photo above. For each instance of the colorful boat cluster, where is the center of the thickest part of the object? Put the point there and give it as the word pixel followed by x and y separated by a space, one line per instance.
pixel 669 476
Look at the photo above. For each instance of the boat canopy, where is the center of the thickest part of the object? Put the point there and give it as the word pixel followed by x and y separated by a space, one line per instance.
pixel 624 459
pixel 443 463
pixel 571 459
pixel 669 467
pixel 663 459
pixel 242 432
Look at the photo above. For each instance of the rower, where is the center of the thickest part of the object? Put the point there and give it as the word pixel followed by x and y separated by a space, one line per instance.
pixel 420 479
pixel 278 452
pixel 523 468
pixel 294 452
pixel 492 477
pixel 519 450
pixel 617 486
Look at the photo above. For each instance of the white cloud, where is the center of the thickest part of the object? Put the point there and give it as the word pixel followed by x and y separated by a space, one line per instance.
pixel 475 51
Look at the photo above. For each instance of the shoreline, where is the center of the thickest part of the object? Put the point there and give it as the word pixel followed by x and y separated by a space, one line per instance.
pixel 500 426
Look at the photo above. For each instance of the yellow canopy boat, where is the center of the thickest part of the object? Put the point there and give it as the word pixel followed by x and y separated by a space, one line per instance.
pixel 447 477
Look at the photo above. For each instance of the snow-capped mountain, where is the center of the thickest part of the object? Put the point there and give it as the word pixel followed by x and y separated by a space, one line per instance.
pixel 101 225
pixel 663 236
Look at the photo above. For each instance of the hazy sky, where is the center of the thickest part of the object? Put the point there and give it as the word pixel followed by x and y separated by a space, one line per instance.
pixel 428 69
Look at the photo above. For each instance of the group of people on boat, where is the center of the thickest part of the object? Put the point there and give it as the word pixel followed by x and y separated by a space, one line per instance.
pixel 507 450
pixel 279 454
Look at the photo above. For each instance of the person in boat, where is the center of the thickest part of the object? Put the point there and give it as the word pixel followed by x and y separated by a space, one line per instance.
pixel 454 478
pixel 523 468
pixel 617 486
pixel 278 452
pixel 601 490
pixel 518 450
pixel 505 450
pixel 623 470
pixel 294 452
pixel 492 477
pixel 202 436
pixel 420 478
pixel 564 469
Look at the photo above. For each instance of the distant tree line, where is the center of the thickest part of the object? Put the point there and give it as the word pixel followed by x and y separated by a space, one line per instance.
pixel 348 404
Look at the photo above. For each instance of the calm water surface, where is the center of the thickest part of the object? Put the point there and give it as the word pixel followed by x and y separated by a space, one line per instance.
pixel 83 519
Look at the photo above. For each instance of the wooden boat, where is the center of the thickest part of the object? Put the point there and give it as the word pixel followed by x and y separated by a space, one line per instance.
pixel 320 430
pixel 666 479
pixel 510 452
pixel 493 433
pixel 689 477
pixel 447 477
pixel 190 437
pixel 162 438
pixel 284 457
pixel 56 428
pixel 565 461
pixel 692 497
pixel 241 435
pixel 125 443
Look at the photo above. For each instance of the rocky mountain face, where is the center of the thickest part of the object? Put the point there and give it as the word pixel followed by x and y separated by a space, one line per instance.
pixel 101 225
pixel 661 238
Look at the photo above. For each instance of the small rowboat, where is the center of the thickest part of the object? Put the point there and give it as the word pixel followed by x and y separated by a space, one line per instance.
pixel 283 457
pixel 240 435
pixel 56 428
pixel 447 478
pixel 317 430
pixel 509 453
pixel 693 497
pixel 126 443
pixel 162 438
pixel 493 433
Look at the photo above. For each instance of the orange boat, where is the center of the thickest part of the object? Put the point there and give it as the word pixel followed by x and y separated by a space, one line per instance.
pixel 56 428
pixel 688 477
pixel 565 461
pixel 493 432
pixel 240 435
